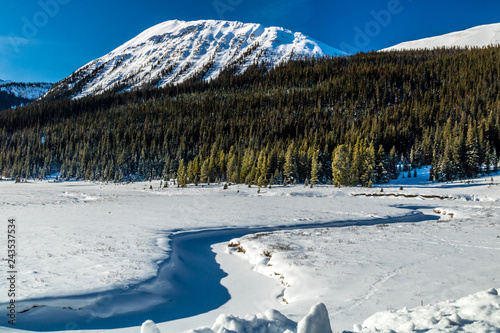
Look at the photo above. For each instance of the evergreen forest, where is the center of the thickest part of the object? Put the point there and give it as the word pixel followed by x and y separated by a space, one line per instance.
pixel 348 121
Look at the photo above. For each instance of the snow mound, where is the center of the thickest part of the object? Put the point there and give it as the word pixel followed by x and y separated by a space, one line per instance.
pixel 316 321
pixel 476 313
pixel 149 327
pixel 272 321
pixel 479 312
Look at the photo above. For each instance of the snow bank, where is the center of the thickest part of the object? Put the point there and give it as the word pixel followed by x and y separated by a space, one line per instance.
pixel 479 312
pixel 272 321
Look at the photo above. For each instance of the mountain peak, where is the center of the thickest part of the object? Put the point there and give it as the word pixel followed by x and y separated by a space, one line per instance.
pixel 175 51
pixel 480 36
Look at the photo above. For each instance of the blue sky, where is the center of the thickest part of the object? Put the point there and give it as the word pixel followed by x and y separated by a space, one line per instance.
pixel 46 40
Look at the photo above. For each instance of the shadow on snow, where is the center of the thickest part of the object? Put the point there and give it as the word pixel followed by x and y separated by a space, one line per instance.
pixel 188 283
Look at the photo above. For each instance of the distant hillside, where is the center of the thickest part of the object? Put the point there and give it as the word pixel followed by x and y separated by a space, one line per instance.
pixel 14 94
pixel 480 36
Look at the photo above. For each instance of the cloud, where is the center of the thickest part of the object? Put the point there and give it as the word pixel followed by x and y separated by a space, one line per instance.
pixel 11 44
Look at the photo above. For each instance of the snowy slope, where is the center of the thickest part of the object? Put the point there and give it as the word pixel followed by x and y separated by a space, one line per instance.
pixel 14 94
pixel 479 36
pixel 175 51
pixel 29 91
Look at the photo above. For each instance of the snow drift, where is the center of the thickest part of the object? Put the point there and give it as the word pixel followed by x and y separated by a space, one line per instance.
pixel 316 321
pixel 271 321
pixel 475 313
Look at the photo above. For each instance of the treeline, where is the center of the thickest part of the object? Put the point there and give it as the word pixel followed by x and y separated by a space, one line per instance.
pixel 7 100
pixel 355 120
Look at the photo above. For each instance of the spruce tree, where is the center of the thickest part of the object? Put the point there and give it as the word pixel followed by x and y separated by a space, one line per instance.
pixel 289 167
pixel 472 161
pixel 315 168
pixel 368 166
pixel 341 166
pixel 232 169
pixel 182 174
pixel 205 171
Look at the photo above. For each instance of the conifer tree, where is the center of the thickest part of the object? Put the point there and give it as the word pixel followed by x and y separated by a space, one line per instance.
pixel 315 168
pixel 182 174
pixel 494 160
pixel 232 169
pixel 368 166
pixel 341 166
pixel 393 164
pixel 289 167
pixel 358 161
pixel 380 173
pixel 247 165
pixel 205 171
pixel 472 162
pixel 263 169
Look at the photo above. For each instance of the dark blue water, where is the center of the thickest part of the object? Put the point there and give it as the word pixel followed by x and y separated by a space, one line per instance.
pixel 187 284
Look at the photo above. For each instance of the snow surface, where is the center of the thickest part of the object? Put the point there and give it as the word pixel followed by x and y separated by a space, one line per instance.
pixel 479 36
pixel 272 321
pixel 479 312
pixel 359 270
pixel 80 237
pixel 31 91
pixel 174 51
pixel 475 313
pixel 110 236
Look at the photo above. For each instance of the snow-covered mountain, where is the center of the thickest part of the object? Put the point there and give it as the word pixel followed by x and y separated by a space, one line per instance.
pixel 480 36
pixel 13 94
pixel 29 91
pixel 175 51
